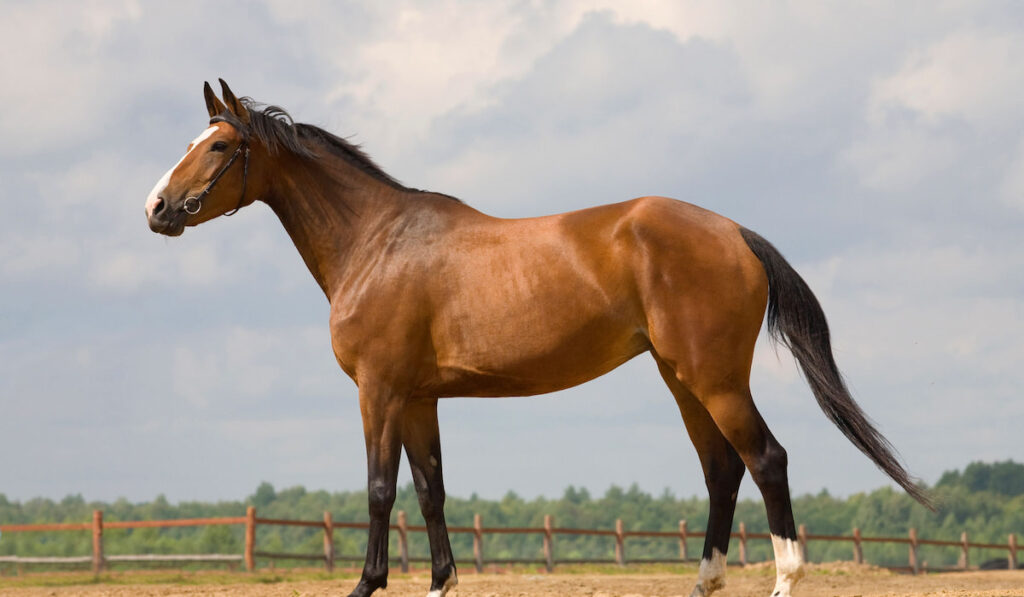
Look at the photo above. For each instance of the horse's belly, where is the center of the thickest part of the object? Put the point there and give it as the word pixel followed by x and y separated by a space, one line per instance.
pixel 546 306
pixel 527 363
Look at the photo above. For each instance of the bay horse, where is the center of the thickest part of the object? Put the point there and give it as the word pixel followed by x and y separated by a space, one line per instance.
pixel 431 298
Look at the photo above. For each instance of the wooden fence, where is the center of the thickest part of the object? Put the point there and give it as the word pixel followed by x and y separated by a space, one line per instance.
pixel 402 529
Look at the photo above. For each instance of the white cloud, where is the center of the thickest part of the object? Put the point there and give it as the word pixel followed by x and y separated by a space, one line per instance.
pixel 909 317
pixel 969 75
pixel 53 72
pixel 1012 186
pixel 900 157
pixel 250 366
pixel 423 61
pixel 946 108
pixel 415 57
pixel 38 254
pixel 127 270
pixel 627 101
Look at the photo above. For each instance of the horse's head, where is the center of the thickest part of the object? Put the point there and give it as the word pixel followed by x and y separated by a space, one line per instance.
pixel 211 178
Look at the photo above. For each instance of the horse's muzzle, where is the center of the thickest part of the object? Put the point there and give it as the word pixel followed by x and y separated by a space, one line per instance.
pixel 165 219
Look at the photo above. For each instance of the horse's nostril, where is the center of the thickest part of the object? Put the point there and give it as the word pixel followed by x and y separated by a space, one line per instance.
pixel 158 206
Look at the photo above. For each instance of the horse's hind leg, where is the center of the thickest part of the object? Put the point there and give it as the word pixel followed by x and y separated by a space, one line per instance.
pixel 423 446
pixel 723 471
pixel 739 421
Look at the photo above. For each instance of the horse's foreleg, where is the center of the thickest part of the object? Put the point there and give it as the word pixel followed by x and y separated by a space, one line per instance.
pixel 382 426
pixel 423 446
pixel 723 471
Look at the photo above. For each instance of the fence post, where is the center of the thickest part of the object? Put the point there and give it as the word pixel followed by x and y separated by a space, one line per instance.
pixel 97 541
pixel 683 555
pixel 478 543
pixel 1011 555
pixel 801 536
pixel 620 543
pixel 250 538
pixel 964 558
pixel 549 558
pixel 403 540
pixel 743 544
pixel 912 554
pixel 328 541
pixel 858 551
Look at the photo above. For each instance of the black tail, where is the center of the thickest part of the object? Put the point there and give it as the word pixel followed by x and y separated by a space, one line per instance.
pixel 796 320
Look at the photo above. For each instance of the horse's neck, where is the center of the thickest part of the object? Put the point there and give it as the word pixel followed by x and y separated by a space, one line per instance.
pixel 328 212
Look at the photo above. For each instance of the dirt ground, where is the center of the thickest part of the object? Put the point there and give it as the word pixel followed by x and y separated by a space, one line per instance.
pixel 821 581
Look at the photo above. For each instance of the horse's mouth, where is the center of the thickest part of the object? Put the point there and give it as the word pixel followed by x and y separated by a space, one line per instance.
pixel 168 227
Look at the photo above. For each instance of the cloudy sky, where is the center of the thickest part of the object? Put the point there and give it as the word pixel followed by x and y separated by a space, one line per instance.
pixel 880 147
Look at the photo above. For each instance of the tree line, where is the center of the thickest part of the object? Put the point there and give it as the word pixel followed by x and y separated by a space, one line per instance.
pixel 985 499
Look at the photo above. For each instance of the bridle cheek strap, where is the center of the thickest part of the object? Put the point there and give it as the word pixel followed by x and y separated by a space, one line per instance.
pixel 193 204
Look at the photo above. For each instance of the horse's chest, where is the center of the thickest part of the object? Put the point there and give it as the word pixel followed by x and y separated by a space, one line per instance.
pixel 345 352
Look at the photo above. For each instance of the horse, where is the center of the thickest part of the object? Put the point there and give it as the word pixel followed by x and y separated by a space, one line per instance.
pixel 430 298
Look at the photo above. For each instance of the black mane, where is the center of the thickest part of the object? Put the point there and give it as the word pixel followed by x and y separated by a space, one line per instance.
pixel 273 126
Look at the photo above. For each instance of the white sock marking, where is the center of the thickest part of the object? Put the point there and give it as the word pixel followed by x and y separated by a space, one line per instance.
pixel 711 575
pixel 789 561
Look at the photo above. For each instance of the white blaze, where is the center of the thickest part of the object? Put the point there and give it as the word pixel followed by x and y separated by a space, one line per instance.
pixel 162 183
pixel 711 575
pixel 789 560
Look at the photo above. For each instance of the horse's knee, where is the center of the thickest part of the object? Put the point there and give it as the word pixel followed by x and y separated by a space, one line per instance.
pixel 382 497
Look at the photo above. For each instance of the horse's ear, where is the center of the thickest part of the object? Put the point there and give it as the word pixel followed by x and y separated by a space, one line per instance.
pixel 234 106
pixel 213 104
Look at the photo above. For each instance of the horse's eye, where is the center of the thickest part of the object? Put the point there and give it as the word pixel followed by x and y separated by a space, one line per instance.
pixel 219 146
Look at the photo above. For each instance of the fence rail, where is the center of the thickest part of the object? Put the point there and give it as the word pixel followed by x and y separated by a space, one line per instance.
pixel 402 529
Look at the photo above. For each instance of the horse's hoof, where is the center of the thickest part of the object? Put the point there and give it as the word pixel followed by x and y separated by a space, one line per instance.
pixel 707 587
pixel 366 588
pixel 448 584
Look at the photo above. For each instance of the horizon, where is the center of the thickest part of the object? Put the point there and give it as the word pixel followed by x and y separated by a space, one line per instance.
pixel 408 486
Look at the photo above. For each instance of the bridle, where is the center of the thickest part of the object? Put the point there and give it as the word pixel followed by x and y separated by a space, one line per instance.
pixel 194 203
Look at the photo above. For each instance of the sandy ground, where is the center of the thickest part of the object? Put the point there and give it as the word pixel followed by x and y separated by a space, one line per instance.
pixel 820 582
